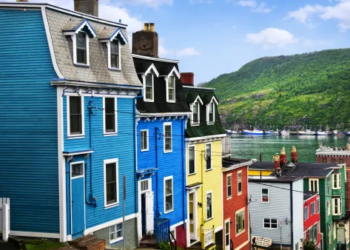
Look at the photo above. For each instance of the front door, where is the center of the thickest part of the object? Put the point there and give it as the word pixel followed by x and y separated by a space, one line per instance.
pixel 227 235
pixel 149 212
pixel 77 199
pixel 192 215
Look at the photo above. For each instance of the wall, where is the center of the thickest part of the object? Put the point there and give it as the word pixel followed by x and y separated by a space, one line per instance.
pixel 257 173
pixel 28 127
pixel 298 212
pixel 312 219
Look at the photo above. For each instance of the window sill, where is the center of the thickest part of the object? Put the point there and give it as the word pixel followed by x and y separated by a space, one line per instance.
pixel 239 194
pixel 209 219
pixel 144 150
pixel 170 151
pixel 75 137
pixel 116 241
pixel 237 234
pixel 82 65
pixel 210 123
pixel 167 212
pixel 195 124
pixel 207 170
pixel 192 174
pixel 171 101
pixel 110 134
pixel 111 205
pixel 229 198
pixel 148 100
pixel 115 69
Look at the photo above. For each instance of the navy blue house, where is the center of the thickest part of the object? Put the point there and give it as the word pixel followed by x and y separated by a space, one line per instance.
pixel 162 114
pixel 68 89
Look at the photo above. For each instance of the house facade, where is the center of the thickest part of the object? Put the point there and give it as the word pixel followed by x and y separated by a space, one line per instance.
pixel 312 226
pixel 204 135
pixel 235 204
pixel 162 114
pixel 74 143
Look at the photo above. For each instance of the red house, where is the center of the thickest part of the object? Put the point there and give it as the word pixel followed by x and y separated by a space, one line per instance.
pixel 312 225
pixel 235 204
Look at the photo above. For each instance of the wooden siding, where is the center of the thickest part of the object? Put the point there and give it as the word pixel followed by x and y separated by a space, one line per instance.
pixel 119 146
pixel 28 127
pixel 169 164
pixel 298 212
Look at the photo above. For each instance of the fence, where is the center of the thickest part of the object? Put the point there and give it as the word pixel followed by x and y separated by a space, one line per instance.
pixel 5 218
pixel 162 228
pixel 208 236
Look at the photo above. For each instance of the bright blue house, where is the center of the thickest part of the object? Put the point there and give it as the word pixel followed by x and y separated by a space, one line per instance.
pixel 162 115
pixel 68 130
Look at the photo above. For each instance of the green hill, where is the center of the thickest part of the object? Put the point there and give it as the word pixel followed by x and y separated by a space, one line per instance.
pixel 312 88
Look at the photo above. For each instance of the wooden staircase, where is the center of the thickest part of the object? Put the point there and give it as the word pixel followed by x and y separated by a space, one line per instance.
pixel 148 242
pixel 88 242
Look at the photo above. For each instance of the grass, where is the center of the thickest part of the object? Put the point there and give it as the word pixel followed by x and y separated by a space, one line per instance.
pixel 43 245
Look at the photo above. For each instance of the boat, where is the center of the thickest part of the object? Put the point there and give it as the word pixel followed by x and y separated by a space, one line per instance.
pixel 284 132
pixel 256 132
pixel 307 132
pixel 320 132
pixel 293 132
pixel 228 132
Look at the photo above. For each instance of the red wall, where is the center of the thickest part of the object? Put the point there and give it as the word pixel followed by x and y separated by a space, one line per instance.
pixel 234 204
pixel 312 219
pixel 181 239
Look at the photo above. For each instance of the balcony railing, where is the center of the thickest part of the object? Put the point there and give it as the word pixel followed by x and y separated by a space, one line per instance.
pixel 208 235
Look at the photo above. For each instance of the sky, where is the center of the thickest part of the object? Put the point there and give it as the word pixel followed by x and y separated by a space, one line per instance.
pixel 213 37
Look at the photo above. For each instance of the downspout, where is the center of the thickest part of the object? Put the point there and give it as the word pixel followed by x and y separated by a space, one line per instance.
pixel 291 215
pixel 156 144
pixel 68 190
pixel 183 173
pixel 90 200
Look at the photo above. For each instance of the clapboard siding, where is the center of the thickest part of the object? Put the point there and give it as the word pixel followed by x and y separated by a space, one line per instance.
pixel 28 127
pixel 277 208
pixel 169 164
pixel 121 146
pixel 298 212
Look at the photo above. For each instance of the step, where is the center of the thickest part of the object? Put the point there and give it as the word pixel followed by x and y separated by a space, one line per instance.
pixel 82 240
pixel 94 245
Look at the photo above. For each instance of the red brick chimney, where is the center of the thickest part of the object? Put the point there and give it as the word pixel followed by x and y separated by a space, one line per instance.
pixel 187 78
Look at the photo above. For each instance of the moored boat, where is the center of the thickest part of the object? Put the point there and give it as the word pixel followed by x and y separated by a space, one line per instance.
pixel 256 132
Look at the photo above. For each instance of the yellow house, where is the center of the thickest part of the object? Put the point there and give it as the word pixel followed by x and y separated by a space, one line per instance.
pixel 204 135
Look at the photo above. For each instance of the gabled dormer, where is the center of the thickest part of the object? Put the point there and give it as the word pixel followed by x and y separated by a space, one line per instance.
pixel 113 39
pixel 170 82
pixel 210 110
pixel 80 32
pixel 148 83
pixel 196 109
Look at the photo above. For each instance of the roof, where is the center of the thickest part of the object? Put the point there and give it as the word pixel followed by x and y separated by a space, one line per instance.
pixel 308 195
pixel 262 166
pixel 333 151
pixel 160 104
pixel 229 164
pixel 203 129
pixel 274 179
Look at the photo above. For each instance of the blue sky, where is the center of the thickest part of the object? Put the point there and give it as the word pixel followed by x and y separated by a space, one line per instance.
pixel 212 37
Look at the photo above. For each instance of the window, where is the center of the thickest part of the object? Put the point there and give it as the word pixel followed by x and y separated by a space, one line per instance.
pixel 341 161
pixel 211 112
pixel 195 113
pixel 167 137
pixel 111 182
pixel 110 117
pixel 239 182
pixel 334 230
pixel 270 223
pixel 265 195
pixel 336 181
pixel 81 45
pixel 328 207
pixel 318 206
pixel 336 206
pixel 208 156
pixel 313 185
pixel 240 221
pixel 77 170
pixel 306 213
pixel 332 160
pixel 313 232
pixel 171 89
pixel 168 195
pixel 149 87
pixel 115 233
pixel 144 140
pixel 313 208
pixel 209 205
pixel 76 115
pixel 229 186
pixel 328 186
pixel 115 55
pixel 145 185
pixel 324 160
pixel 191 160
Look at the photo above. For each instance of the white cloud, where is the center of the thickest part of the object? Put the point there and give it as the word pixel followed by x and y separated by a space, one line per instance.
pixel 253 5
pixel 340 11
pixel 271 37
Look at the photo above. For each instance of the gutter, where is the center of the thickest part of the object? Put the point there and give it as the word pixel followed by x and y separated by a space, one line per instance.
pixel 65 82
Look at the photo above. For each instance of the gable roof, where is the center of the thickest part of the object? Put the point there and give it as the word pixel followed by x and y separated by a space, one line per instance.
pixel 75 26
pixel 110 34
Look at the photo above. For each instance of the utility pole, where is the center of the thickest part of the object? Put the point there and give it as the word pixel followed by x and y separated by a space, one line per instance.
pixel 124 197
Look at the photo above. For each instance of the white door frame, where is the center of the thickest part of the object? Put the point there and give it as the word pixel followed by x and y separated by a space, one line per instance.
pixel 195 218
pixel 227 247
pixel 139 221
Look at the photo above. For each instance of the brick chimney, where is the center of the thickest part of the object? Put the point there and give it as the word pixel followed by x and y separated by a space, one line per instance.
pixel 22 1
pixel 89 7
pixel 145 42
pixel 187 78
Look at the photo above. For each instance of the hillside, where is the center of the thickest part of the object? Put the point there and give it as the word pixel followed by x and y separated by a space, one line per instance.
pixel 312 88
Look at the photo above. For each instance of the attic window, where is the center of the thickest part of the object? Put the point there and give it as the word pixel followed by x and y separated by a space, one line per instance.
pixel 114 55
pixel 195 113
pixel 81 45
pixel 149 82
pixel 211 111
pixel 171 89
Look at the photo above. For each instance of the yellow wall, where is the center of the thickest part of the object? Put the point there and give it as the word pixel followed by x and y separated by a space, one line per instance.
pixel 211 181
pixel 257 172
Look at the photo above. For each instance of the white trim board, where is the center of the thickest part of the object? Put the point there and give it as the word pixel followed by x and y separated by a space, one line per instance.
pixel 35 234
pixel 155 59
pixel 206 137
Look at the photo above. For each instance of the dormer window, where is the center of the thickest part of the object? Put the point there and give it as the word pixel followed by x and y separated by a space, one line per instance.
pixel 81 48
pixel 149 87
pixel 211 111
pixel 195 112
pixel 171 89
pixel 115 55
pixel 170 80
pixel 195 107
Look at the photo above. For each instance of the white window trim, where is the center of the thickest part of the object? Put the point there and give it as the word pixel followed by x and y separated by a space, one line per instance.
pixel 240 172
pixel 212 207
pixel 238 211
pixel 105 162
pixel 270 228
pixel 167 89
pixel 164 194
pixel 200 102
pixel 339 206
pixel 268 195
pixel 110 56
pixel 144 88
pixel 228 197
pixel 147 138
pixel 227 232
pixel 213 100
pixel 318 186
pixel 116 117
pixel 117 239
pixel 314 203
pixel 171 128
pixel 308 216
pixel 82 117
pixel 338 181
pixel 149 180
pixel 74 40
pixel 211 157
pixel 194 151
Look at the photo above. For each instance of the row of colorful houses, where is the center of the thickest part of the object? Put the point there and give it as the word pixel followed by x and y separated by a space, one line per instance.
pixel 92 133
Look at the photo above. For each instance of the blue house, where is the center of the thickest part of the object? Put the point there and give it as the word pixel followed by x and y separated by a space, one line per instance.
pixel 68 130
pixel 162 114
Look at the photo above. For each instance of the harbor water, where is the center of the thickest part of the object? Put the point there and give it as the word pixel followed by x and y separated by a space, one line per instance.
pixel 250 147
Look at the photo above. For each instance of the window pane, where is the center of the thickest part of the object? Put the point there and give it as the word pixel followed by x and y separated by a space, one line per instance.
pixel 168 187
pixel 115 47
pixel 191 160
pixel 81 40
pixel 110 114
pixel 75 115
pixel 149 80
pixel 115 61
pixel 111 172
pixel 81 56
pixel 77 170
pixel 111 183
pixel 209 206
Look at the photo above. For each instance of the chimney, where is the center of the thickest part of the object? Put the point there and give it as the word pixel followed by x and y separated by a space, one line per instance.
pixel 294 155
pixel 89 7
pixel 22 1
pixel 187 78
pixel 145 42
pixel 283 158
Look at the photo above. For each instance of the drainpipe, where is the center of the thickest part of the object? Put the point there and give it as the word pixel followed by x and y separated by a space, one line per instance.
pixel 91 200
pixel 156 144
pixel 291 215
pixel 183 172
